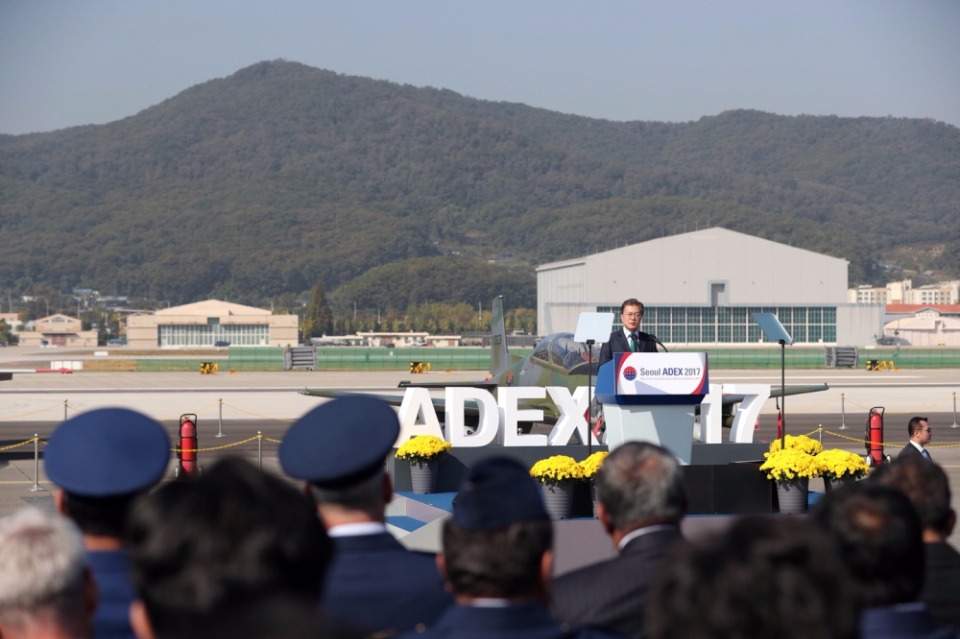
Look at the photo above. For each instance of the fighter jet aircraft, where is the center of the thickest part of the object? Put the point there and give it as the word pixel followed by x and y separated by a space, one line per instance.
pixel 556 360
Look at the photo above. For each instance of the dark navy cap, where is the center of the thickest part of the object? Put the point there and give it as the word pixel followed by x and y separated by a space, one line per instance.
pixel 107 452
pixel 498 492
pixel 340 442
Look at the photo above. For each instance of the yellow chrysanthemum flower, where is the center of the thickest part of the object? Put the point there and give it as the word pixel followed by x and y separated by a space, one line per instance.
pixel 592 463
pixel 791 463
pixel 836 463
pixel 553 470
pixel 423 448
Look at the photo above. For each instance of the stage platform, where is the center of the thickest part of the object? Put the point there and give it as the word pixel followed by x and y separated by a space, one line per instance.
pixel 724 481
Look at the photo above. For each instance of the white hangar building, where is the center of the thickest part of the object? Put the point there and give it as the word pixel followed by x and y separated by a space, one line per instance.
pixel 208 322
pixel 702 287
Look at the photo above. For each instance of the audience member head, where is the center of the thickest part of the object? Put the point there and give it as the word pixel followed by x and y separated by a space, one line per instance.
pixel 498 541
pixel 100 461
pixel 878 536
pixel 640 484
pixel 340 448
pixel 762 577
pixel 233 534
pixel 927 487
pixel 46 589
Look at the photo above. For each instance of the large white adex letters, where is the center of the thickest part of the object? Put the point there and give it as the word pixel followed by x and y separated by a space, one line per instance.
pixel 417 416
pixel 499 418
pixel 748 412
pixel 573 411
pixel 511 415
pixel 455 422
pixel 710 430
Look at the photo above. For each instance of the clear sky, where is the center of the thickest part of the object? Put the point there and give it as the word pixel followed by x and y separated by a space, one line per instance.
pixel 70 62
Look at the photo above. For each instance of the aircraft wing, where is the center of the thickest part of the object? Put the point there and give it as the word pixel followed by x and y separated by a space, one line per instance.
pixel 777 391
pixel 470 409
pixel 486 384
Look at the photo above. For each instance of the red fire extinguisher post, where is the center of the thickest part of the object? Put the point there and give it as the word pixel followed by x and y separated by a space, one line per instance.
pixel 187 450
pixel 873 438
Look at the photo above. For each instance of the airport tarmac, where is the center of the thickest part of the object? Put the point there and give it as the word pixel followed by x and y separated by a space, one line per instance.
pixel 233 408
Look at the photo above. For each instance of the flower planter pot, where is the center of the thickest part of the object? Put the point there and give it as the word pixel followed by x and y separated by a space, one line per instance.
pixel 834 482
pixel 423 477
pixel 792 495
pixel 558 500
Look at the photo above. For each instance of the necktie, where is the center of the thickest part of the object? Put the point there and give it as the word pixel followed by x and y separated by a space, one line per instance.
pixel 926 454
pixel 633 342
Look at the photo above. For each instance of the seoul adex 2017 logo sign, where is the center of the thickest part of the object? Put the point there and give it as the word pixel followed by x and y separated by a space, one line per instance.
pixel 660 374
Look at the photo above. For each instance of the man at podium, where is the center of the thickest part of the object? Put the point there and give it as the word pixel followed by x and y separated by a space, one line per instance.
pixel 628 339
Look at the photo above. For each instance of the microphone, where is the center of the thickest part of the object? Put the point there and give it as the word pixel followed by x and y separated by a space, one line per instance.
pixel 657 340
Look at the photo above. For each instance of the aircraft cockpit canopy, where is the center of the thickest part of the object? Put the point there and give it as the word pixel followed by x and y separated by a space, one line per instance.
pixel 562 351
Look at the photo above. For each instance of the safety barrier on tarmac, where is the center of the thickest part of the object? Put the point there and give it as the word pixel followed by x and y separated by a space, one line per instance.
pixel 881 365
pixel 360 358
pixel 819 432
pixel 215 412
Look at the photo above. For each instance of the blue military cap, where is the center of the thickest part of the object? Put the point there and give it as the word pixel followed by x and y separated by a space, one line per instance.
pixel 498 492
pixel 107 452
pixel 340 442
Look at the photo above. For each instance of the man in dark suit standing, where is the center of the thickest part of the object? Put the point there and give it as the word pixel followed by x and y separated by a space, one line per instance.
pixel 628 339
pixel 374 585
pixel 497 559
pixel 927 487
pixel 920 436
pixel 641 499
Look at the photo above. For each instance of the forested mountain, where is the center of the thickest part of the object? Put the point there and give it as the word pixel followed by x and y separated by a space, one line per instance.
pixel 283 175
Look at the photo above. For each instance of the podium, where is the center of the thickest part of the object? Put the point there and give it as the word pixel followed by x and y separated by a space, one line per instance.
pixel 652 397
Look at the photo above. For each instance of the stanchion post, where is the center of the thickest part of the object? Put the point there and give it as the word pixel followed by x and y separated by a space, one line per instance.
pixel 260 449
pixel 220 428
pixel 843 411
pixel 954 425
pixel 820 433
pixel 36 463
pixel 64 410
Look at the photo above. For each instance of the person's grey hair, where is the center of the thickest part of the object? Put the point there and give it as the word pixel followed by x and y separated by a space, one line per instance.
pixel 640 481
pixel 43 570
pixel 365 496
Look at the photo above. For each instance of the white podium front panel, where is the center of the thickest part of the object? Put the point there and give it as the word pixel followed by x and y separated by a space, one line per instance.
pixel 667 426
pixel 675 374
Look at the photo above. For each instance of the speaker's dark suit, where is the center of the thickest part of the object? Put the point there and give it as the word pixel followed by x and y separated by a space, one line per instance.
pixel 941 584
pixel 910 451
pixel 618 343
pixel 614 594
pixel 375 584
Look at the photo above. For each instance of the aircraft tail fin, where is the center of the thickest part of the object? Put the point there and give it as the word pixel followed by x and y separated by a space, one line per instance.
pixel 499 355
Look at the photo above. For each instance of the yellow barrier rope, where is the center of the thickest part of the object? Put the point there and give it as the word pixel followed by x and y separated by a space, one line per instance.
pixel 23 443
pixel 810 407
pixel 864 441
pixel 223 447
pixel 58 405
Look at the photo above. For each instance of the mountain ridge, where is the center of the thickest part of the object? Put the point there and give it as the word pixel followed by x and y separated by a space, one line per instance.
pixel 282 175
